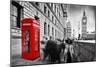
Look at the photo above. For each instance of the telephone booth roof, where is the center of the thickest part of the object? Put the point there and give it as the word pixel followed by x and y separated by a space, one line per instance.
pixel 30 20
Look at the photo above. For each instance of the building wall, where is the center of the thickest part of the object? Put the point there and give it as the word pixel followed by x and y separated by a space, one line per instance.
pixel 29 10
pixel 44 18
pixel 15 30
pixel 68 30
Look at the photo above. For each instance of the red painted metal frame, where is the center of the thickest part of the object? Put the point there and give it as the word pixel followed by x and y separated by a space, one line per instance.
pixel 32 26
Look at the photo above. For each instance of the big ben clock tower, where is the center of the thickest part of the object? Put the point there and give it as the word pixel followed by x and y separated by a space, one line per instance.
pixel 84 26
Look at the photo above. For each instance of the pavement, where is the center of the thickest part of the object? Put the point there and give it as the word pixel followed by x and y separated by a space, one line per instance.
pixel 18 61
pixel 83 52
pixel 24 62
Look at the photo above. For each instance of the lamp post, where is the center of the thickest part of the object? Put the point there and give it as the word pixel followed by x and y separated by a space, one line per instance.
pixel 79 30
pixel 73 33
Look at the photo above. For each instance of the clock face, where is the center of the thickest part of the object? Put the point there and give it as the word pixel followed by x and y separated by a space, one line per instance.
pixel 84 21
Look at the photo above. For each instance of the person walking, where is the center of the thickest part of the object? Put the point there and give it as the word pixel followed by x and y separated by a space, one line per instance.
pixel 52 51
pixel 68 49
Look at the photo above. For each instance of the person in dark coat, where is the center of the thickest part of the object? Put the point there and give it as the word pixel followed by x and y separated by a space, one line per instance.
pixel 52 51
pixel 63 47
pixel 69 58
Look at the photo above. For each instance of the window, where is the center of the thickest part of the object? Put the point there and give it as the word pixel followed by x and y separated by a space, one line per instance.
pixel 45 25
pixel 55 33
pixel 52 18
pixel 51 5
pixel 37 3
pixel 59 14
pixel 48 29
pixel 55 22
pixel 52 31
pixel 16 14
pixel 55 8
pixel 48 13
pixel 45 9
pixel 65 14
pixel 36 13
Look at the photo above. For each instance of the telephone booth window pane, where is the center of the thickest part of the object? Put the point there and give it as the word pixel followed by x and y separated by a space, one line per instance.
pixel 26 41
pixel 36 39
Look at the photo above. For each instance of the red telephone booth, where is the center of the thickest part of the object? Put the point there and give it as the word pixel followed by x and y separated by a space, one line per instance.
pixel 30 38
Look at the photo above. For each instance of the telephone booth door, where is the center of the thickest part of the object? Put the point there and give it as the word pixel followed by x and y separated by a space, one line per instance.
pixel 30 39
pixel 36 41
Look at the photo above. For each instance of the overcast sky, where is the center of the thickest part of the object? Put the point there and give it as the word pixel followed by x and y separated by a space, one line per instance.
pixel 75 14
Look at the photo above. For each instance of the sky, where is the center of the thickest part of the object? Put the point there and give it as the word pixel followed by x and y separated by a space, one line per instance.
pixel 75 14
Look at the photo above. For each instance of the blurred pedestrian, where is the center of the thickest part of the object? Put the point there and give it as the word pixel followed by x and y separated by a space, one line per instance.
pixel 42 49
pixel 68 55
pixel 52 51
pixel 63 46
pixel 69 58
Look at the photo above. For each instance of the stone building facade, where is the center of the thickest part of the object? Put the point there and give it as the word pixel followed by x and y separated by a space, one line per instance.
pixel 68 30
pixel 51 16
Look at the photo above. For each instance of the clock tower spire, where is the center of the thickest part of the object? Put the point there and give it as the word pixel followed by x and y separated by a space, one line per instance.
pixel 84 25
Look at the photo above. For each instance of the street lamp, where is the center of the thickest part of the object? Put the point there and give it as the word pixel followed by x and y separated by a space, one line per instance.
pixel 79 31
pixel 73 33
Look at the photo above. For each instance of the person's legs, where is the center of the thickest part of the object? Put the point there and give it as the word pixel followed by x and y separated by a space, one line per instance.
pixel 45 54
pixel 59 60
